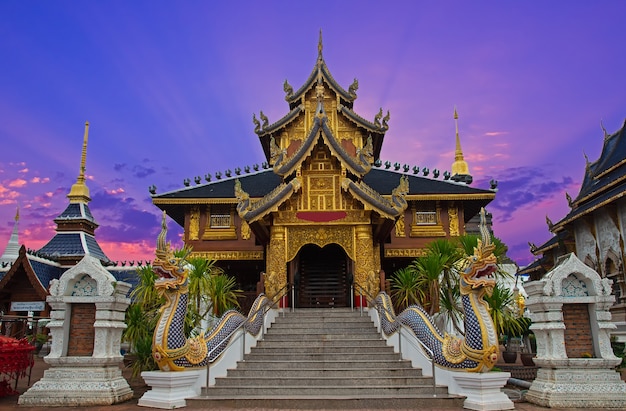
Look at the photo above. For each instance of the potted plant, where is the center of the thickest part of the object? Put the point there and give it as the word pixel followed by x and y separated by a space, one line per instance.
pixel 529 351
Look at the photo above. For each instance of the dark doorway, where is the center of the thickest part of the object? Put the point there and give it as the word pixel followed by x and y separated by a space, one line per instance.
pixel 322 279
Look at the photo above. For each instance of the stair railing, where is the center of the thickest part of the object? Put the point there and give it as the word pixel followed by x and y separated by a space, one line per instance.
pixel 265 308
pixel 362 293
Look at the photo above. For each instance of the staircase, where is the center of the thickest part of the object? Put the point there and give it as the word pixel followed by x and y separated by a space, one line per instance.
pixel 324 359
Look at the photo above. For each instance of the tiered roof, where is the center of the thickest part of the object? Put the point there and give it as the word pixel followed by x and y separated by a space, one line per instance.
pixel 75 233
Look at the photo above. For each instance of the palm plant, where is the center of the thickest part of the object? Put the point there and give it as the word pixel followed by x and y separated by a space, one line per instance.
pixel 504 313
pixel 405 288
pixel 201 273
pixel 223 293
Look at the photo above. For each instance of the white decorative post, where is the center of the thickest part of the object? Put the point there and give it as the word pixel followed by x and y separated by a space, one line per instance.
pixel 572 324
pixel 87 320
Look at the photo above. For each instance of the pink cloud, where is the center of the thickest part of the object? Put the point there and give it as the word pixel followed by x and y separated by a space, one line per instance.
pixel 40 180
pixel 116 191
pixel 23 171
pixel 496 133
pixel 18 183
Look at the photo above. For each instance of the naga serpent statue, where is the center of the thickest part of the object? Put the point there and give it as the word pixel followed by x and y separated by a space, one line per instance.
pixel 171 349
pixel 478 351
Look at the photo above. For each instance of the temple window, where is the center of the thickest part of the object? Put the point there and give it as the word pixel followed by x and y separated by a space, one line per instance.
pixel 426 219
pixel 220 216
pixel 220 223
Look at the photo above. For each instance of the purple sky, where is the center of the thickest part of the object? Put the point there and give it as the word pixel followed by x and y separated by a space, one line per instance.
pixel 169 90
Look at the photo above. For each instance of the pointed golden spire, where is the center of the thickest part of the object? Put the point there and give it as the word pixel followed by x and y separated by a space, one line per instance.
pixel 17 214
pixel 459 167
pixel 80 192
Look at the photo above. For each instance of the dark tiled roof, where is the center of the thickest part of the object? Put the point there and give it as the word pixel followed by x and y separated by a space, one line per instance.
pixel 71 244
pixel 552 242
pixel 256 184
pixel 384 181
pixel 46 272
pixel 76 211
pixel 128 275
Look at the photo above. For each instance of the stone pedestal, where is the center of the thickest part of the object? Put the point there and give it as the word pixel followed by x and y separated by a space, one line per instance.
pixel 170 389
pixel 483 390
pixel 577 383
pixel 571 320
pixel 87 320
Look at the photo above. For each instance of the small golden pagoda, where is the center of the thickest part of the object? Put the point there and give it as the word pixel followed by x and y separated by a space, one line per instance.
pixel 323 212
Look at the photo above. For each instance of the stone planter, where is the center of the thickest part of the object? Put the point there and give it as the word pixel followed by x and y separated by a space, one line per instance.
pixel 527 359
pixel 509 357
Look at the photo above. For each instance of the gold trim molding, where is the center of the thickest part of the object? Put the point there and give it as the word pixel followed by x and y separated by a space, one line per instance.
pixel 404 252
pixel 229 255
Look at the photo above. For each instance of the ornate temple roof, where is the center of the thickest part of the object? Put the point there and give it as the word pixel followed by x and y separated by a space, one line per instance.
pixel 321 70
pixel 258 184
pixel 344 105
pixel 604 181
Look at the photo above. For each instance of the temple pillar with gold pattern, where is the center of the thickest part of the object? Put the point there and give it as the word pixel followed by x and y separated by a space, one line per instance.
pixel 276 273
pixel 365 268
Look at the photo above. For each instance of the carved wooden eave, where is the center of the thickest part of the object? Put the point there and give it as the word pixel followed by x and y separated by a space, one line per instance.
pixel 254 211
pixel 321 71
pixel 372 200
pixel 282 123
pixel 357 166
pixel 286 166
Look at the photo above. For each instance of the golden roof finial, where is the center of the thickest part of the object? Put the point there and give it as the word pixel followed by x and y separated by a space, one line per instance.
pixel 320 46
pixel 80 192
pixel 459 166
pixel 17 214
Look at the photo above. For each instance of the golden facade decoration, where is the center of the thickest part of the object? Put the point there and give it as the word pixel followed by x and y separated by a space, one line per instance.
pixel 400 227
pixel 229 255
pixel 245 230
pixel 276 261
pixel 364 266
pixel 404 252
pixel 298 236
pixel 194 223
pixel 453 216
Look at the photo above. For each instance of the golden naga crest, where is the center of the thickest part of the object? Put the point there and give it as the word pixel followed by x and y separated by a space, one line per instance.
pixel 479 268
pixel 168 268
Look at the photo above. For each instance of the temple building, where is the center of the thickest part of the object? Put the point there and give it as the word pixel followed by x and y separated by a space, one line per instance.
pixel 25 274
pixel 595 227
pixel 323 212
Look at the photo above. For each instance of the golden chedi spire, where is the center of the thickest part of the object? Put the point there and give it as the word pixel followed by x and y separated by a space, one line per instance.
pixel 460 169
pixel 80 192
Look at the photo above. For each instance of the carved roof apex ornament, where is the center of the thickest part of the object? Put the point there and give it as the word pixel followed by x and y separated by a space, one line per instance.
pixel 320 47
pixel 257 123
pixel 288 90
pixel 532 246
pixel 606 134
pixel 570 202
pixel 353 87
pixel 549 222
pixel 587 162
pixel 377 118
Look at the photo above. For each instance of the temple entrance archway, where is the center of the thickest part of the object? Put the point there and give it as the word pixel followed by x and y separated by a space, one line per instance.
pixel 322 276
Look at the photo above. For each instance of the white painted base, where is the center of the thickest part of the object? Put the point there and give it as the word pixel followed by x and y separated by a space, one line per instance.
pixel 75 386
pixel 483 390
pixel 170 388
pixel 583 387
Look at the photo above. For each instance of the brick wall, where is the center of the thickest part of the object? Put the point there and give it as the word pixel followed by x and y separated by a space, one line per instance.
pixel 578 337
pixel 82 333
